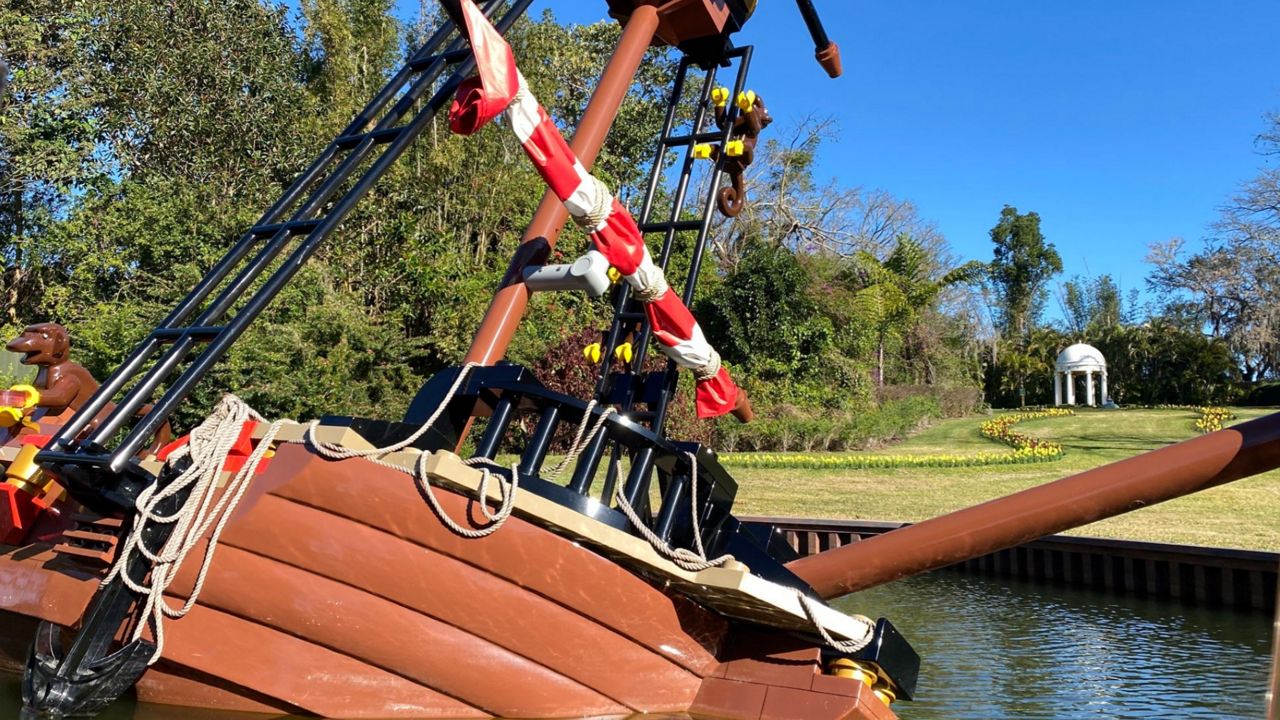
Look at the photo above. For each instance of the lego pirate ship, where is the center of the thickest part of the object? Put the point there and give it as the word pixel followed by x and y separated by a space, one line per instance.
pixel 353 567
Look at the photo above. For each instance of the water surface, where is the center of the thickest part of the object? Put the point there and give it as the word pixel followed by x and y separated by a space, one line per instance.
pixel 1011 649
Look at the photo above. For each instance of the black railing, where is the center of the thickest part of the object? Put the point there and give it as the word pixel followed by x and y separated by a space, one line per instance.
pixel 507 393
pixel 310 209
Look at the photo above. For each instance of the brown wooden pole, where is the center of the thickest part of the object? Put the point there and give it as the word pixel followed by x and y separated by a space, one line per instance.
pixel 1240 451
pixel 508 306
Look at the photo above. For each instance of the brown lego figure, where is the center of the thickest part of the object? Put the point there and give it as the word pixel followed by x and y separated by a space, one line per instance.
pixel 62 384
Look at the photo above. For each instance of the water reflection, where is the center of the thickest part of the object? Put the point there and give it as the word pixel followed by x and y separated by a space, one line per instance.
pixel 1013 649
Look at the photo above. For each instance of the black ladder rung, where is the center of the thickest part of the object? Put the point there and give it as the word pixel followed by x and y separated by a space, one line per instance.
pixel 379 136
pixel 295 227
pixel 702 137
pixel 195 332
pixel 80 458
pixel 677 225
pixel 450 58
pixel 626 316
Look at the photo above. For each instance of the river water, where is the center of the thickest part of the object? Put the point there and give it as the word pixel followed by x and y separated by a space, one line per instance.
pixel 996 649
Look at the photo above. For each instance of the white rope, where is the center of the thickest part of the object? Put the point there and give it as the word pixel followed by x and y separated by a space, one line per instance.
pixel 495 517
pixel 578 443
pixel 601 203
pixel 690 560
pixel 708 371
pixel 334 451
pixel 656 288
pixel 209 445
pixel 207 448
pixel 847 646
pixel 507 490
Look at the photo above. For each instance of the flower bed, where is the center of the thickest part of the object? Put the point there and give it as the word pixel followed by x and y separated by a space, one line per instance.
pixel 1026 449
pixel 1212 418
pixel 1000 427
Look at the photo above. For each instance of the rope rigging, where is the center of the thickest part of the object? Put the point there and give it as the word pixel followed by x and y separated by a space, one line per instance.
pixel 205 512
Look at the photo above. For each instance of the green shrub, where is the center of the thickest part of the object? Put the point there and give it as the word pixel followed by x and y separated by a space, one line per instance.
pixel 786 427
pixel 953 401
pixel 1261 394
pixel 1026 449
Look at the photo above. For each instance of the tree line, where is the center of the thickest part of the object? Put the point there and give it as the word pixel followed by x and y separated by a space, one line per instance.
pixel 139 140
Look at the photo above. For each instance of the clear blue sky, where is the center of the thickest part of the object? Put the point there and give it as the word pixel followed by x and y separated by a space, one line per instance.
pixel 1122 122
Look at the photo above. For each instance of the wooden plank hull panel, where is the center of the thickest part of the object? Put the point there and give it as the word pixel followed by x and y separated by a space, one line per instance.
pixel 335 591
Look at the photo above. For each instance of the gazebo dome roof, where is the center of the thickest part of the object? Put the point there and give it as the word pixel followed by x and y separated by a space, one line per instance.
pixel 1080 357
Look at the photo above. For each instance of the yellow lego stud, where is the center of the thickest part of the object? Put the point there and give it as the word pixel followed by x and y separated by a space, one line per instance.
pixel 702 151
pixel 592 352
pixel 614 275
pixel 624 352
pixel 746 100
pixel 734 148
pixel 720 96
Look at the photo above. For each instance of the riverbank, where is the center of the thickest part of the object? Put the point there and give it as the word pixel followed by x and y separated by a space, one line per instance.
pixel 1244 514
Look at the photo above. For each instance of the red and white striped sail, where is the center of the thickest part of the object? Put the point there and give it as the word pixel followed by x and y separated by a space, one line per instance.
pixel 499 86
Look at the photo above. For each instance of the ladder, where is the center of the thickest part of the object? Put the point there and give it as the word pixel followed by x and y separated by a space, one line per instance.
pixel 630 386
pixel 223 305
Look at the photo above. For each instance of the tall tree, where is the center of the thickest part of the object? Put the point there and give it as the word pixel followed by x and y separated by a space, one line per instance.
pixel 789 206
pixel 1021 268
pixel 894 292
pixel 1090 304
pixel 48 134
pixel 763 316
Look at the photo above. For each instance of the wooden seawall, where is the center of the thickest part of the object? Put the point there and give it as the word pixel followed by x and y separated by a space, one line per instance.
pixel 1218 577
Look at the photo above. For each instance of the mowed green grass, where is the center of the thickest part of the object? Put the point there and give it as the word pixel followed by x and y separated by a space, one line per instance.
pixel 1243 514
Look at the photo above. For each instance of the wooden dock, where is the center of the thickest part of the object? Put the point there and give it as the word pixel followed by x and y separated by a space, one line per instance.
pixel 1216 577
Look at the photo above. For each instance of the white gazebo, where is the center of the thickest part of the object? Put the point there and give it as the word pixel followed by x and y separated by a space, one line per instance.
pixel 1078 359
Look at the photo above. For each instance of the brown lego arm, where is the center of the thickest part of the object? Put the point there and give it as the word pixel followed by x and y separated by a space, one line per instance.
pixel 60 393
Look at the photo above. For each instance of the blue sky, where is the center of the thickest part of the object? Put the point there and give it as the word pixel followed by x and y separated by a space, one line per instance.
pixel 1121 122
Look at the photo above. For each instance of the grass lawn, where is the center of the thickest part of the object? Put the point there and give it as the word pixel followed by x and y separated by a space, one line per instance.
pixel 1243 514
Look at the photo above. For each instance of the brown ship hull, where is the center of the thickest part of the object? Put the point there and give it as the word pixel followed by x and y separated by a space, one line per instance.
pixel 336 592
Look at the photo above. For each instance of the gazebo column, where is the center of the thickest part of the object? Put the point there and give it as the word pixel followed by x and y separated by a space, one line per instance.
pixel 1057 388
pixel 1088 388
pixel 1105 396
pixel 1071 387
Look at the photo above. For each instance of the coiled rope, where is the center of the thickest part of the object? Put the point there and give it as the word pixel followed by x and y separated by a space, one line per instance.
pixel 507 489
pixel 207 449
pixel 209 445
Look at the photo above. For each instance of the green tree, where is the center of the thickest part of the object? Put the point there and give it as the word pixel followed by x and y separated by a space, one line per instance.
pixel 763 317
pixel 48 135
pixel 1021 268
pixel 894 292
pixel 1091 304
